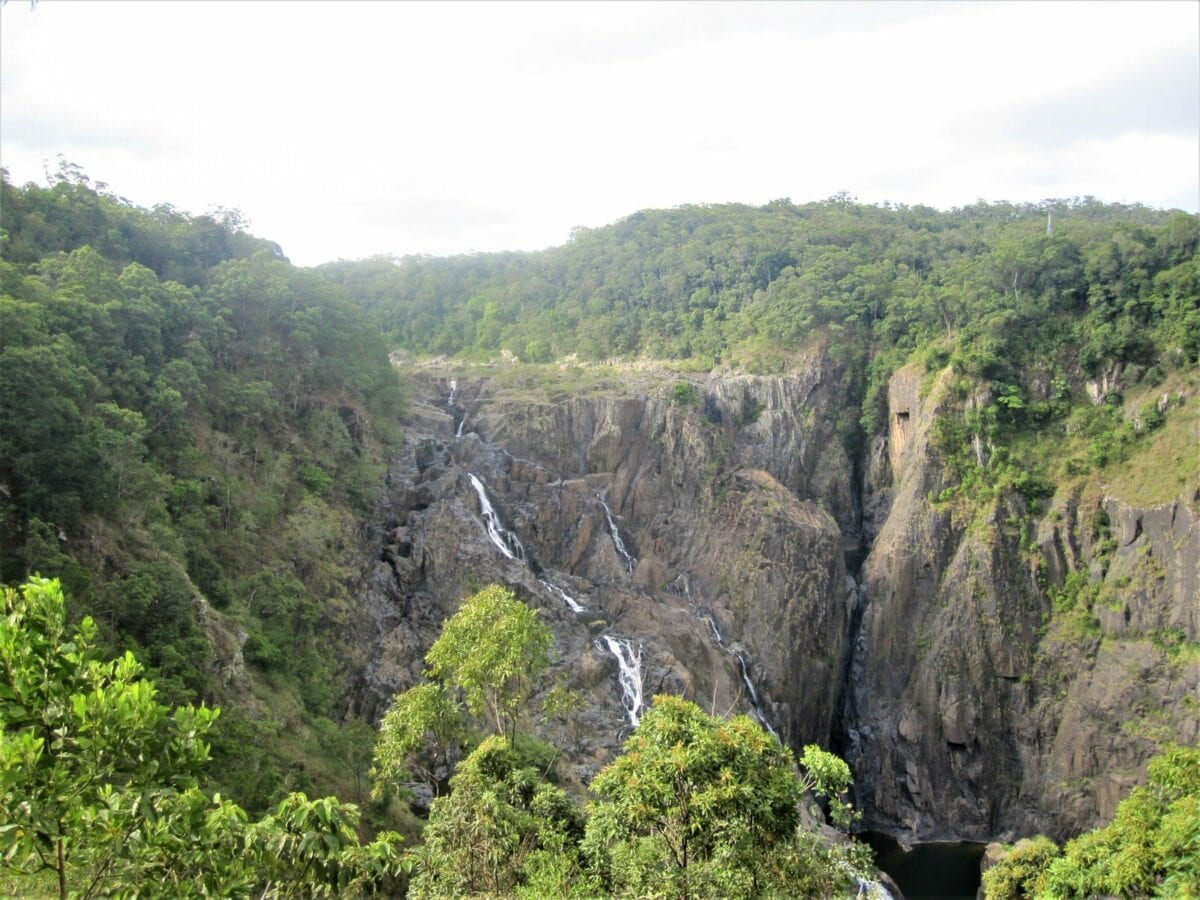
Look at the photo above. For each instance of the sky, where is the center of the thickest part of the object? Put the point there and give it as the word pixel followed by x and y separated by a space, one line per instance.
pixel 351 129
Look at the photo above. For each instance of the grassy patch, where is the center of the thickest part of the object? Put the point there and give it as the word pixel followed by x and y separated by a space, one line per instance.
pixel 1164 465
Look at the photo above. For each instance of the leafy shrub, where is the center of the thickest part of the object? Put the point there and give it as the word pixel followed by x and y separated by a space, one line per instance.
pixel 316 479
pixel 685 394
pixel 1017 875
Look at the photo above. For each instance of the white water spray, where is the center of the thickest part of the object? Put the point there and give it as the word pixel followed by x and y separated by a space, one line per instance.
pixel 507 542
pixel 575 605
pixel 872 889
pixel 461 425
pixel 453 388
pixel 630 562
pixel 629 663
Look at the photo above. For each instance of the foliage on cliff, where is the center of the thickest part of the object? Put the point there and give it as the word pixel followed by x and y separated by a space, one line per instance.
pixel 1151 847
pixel 1040 311
pixel 190 432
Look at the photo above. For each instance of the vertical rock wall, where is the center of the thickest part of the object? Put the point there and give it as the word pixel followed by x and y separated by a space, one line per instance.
pixel 734 510
pixel 975 710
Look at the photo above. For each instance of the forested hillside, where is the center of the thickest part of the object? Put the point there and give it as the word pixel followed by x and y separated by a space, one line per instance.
pixel 1015 487
pixel 744 283
pixel 191 431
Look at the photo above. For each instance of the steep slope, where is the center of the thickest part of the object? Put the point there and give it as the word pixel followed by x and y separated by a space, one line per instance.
pixel 1009 671
pixel 1013 677
pixel 729 578
pixel 193 460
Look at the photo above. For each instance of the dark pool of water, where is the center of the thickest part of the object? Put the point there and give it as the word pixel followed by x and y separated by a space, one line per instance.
pixel 941 870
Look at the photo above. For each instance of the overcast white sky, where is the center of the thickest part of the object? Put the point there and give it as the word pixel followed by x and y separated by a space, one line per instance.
pixel 351 129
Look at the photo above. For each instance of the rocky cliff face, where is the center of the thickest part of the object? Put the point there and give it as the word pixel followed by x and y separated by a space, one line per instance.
pixel 978 711
pixel 731 515
pixel 712 537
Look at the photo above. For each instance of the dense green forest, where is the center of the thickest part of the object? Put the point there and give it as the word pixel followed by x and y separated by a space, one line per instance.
pixel 744 284
pixel 191 431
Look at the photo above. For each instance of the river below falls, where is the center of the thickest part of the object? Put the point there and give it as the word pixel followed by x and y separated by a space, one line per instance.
pixel 937 870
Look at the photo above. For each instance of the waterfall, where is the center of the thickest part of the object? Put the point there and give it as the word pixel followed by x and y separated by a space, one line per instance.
pixel 629 661
pixel 755 704
pixel 872 889
pixel 461 424
pixel 746 679
pixel 630 665
pixel 743 670
pixel 453 388
pixel 507 542
pixel 575 605
pixel 630 562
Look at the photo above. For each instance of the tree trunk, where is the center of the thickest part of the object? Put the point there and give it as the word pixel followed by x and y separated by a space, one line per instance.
pixel 62 869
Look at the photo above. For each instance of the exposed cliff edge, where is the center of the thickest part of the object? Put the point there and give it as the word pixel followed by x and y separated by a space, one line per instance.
pixel 710 531
pixel 979 708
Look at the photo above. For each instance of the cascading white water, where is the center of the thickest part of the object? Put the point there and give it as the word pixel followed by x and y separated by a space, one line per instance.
pixel 453 388
pixel 507 542
pixel 746 680
pixel 629 664
pixel 744 671
pixel 872 890
pixel 755 704
pixel 575 605
pixel 629 661
pixel 461 425
pixel 630 562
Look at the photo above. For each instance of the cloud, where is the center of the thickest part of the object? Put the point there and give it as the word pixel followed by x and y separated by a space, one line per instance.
pixel 609 34
pixel 433 215
pixel 420 127
pixel 83 132
pixel 1161 97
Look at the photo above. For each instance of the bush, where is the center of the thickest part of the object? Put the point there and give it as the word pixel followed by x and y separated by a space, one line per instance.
pixel 316 479
pixel 259 650
pixel 685 394
pixel 1018 873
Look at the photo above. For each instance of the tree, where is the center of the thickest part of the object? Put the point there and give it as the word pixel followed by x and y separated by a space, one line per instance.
pixel 76 730
pixel 419 732
pixel 1150 848
pixel 499 818
pixel 697 805
pixel 98 782
pixel 828 777
pixel 493 650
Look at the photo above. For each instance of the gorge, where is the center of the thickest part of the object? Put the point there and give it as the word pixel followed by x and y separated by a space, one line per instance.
pixel 918 487
pixel 967 711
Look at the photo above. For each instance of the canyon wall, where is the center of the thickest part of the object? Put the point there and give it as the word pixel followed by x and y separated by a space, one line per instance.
pixel 711 529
